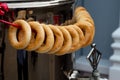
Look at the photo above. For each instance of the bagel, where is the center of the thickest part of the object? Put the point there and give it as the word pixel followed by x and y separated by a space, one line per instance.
pixel 12 34
pixel 81 39
pixel 75 37
pixel 58 36
pixel 88 33
pixel 38 36
pixel 81 13
pixel 59 40
pixel 86 23
pixel 67 42
pixel 48 42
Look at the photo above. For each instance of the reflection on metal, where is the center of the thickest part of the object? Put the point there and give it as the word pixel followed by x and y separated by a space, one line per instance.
pixel 31 0
pixel 2 51
pixel 37 4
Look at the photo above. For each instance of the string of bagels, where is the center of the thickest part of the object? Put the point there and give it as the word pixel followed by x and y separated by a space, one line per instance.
pixel 54 39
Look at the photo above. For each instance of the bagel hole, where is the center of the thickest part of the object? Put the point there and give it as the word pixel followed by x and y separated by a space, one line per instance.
pixel 34 33
pixel 19 36
pixel 64 42
pixel 55 38
pixel 33 37
pixel 45 40
pixel 83 31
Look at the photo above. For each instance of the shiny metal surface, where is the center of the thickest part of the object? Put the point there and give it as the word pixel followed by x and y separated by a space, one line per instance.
pixel 35 4
pixel 30 0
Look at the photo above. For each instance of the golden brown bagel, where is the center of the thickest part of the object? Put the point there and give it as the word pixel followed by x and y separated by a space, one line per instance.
pixel 67 42
pixel 82 18
pixel 75 37
pixel 12 34
pixel 48 42
pixel 38 36
pixel 58 36
pixel 81 13
pixel 81 39
pixel 75 34
pixel 86 23
pixel 86 29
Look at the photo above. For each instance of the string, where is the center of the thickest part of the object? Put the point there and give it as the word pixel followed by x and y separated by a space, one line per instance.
pixel 9 23
pixel 3 10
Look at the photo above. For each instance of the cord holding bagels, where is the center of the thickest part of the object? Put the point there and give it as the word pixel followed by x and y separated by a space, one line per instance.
pixel 54 39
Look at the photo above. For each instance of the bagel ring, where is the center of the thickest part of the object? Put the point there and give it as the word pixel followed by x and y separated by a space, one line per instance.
pixel 81 39
pixel 37 37
pixel 58 37
pixel 75 37
pixel 48 42
pixel 82 14
pixel 67 42
pixel 88 33
pixel 12 34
